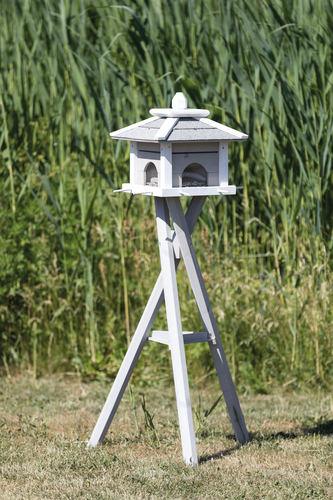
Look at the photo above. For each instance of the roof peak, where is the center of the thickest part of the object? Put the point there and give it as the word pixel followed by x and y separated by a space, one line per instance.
pixel 179 101
pixel 179 109
pixel 179 124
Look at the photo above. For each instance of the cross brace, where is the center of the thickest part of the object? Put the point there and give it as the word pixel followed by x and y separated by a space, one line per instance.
pixel 188 337
pixel 172 245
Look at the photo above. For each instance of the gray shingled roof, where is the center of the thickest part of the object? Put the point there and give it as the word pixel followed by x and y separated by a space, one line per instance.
pixel 184 130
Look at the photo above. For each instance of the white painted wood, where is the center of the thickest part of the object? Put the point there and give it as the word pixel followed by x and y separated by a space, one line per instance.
pixel 179 101
pixel 212 178
pixel 175 333
pixel 223 164
pixel 177 180
pixel 176 249
pixel 195 147
pixel 209 160
pixel 179 108
pixel 162 337
pixel 133 160
pixel 139 339
pixel 239 135
pixel 166 165
pixel 123 190
pixel 179 113
pixel 149 155
pixel 115 134
pixel 174 192
pixel 208 320
pixel 193 212
pixel 195 337
pixel 142 163
pixel 149 147
pixel 163 133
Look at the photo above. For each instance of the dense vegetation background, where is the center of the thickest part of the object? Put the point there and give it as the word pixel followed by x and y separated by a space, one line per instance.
pixel 77 263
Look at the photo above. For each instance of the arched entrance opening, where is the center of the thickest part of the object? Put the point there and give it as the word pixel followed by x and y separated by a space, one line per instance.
pixel 151 175
pixel 194 175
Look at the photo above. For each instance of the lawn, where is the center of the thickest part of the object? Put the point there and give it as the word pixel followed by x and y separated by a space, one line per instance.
pixel 46 423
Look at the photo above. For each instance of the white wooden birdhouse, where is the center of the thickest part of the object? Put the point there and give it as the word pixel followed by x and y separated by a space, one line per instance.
pixel 179 152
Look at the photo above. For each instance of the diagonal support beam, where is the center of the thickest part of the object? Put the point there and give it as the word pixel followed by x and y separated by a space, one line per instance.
pixel 208 320
pixel 139 340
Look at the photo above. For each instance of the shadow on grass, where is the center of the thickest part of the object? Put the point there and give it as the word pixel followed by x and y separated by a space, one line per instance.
pixel 322 427
pixel 219 454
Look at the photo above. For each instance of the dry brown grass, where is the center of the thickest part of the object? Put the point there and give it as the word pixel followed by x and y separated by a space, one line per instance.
pixel 46 424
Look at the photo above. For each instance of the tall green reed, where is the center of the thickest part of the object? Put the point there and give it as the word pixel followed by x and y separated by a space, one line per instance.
pixel 73 71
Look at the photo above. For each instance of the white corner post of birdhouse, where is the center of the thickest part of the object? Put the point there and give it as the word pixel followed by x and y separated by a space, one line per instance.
pixel 133 160
pixel 166 165
pixel 223 164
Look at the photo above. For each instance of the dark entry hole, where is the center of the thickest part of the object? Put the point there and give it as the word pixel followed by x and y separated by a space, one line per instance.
pixel 151 175
pixel 194 175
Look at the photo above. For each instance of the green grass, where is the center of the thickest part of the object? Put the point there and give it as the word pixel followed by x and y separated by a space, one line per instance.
pixel 72 255
pixel 46 425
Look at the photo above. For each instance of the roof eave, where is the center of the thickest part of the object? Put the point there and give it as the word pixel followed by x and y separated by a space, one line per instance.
pixel 236 139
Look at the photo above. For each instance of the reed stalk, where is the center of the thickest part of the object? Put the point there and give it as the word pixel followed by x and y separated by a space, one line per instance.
pixel 73 71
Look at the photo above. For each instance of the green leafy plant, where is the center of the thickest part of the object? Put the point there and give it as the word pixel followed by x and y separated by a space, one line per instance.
pixel 73 255
pixel 149 424
pixel 133 405
pixel 201 415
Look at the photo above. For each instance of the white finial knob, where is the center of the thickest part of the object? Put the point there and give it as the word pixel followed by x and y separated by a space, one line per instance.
pixel 179 101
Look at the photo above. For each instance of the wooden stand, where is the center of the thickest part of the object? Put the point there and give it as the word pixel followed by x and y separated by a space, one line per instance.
pixel 175 245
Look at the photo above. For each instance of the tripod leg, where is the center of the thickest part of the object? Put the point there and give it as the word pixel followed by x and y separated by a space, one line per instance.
pixel 130 360
pixel 139 339
pixel 175 332
pixel 207 316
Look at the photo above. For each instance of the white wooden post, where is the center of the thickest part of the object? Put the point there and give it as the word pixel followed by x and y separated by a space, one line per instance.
pixel 208 320
pixel 139 339
pixel 166 165
pixel 133 161
pixel 175 332
pixel 223 164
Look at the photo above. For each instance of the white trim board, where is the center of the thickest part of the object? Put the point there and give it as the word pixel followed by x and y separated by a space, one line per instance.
pixel 163 133
pixel 177 192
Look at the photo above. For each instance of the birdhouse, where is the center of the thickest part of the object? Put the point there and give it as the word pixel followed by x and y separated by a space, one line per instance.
pixel 179 152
